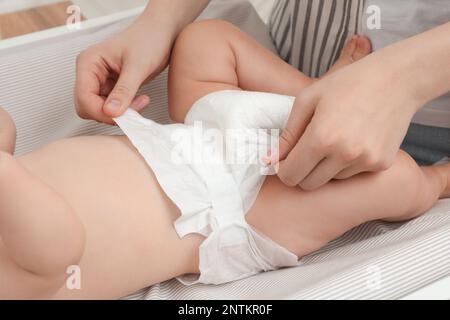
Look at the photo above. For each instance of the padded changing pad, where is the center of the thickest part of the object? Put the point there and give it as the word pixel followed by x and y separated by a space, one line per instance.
pixel 376 260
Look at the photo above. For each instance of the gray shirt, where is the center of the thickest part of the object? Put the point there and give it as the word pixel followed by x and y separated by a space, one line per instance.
pixel 401 19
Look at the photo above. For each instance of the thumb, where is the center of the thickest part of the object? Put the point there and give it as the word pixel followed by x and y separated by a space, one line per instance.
pixel 299 119
pixel 123 93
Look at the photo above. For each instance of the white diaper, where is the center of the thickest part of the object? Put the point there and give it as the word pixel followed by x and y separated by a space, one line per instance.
pixel 213 193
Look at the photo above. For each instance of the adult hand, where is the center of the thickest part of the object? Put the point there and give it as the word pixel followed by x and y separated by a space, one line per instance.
pixel 352 121
pixel 109 74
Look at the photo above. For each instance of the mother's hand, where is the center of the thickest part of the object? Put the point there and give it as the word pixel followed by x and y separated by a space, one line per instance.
pixel 352 121
pixel 110 73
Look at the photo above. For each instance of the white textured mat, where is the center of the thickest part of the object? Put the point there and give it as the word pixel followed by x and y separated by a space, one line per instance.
pixel 376 260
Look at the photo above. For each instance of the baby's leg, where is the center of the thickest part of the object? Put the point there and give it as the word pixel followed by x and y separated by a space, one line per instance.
pixel 40 235
pixel 305 221
pixel 214 55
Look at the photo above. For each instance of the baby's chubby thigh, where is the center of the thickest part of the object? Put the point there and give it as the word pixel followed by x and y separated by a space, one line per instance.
pixel 299 221
pixel 304 221
pixel 130 239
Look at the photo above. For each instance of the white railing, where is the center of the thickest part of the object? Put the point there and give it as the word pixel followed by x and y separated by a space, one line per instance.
pixel 7 6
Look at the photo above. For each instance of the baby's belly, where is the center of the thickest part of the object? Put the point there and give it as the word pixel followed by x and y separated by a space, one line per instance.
pixel 128 218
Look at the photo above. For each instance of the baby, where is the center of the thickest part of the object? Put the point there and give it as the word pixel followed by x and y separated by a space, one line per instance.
pixel 107 205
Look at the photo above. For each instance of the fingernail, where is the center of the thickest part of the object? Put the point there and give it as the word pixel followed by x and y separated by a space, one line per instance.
pixel 113 105
pixel 266 160
pixel 141 103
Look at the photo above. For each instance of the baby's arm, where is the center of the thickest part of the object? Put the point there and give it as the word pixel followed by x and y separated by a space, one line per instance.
pixel 213 55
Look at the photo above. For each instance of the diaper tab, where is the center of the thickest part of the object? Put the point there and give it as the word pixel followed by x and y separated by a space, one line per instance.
pixel 225 198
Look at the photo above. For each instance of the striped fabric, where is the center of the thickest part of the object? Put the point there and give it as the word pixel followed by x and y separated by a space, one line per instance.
pixel 310 34
pixel 376 260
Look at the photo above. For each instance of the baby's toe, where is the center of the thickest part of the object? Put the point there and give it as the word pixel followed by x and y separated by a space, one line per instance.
pixel 349 49
pixel 363 47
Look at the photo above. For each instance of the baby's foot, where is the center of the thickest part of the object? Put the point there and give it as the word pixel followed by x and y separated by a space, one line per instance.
pixel 355 49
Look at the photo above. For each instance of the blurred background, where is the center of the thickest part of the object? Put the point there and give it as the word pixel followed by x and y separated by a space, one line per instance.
pixel 19 17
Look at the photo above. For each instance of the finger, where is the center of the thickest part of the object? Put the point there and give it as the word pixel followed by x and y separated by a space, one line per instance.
pixel 88 101
pixel 139 103
pixel 300 116
pixel 301 160
pixel 325 171
pixel 87 89
pixel 349 172
pixel 124 91
pixel 107 87
pixel 89 105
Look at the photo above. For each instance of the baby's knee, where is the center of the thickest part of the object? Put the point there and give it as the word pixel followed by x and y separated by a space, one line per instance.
pixel 199 43
pixel 204 31
pixel 202 54
pixel 196 37
pixel 202 41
